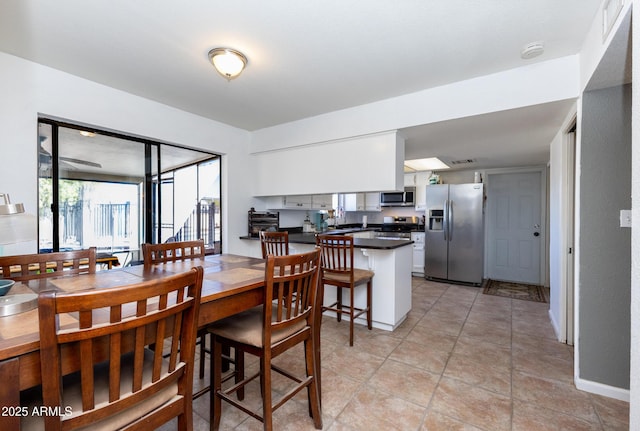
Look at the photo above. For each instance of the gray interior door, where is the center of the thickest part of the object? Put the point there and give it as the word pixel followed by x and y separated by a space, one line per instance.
pixel 514 227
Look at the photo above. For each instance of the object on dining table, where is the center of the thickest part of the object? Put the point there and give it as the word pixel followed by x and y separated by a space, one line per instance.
pixel 5 286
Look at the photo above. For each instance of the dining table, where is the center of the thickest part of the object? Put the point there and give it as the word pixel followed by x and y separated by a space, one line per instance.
pixel 231 284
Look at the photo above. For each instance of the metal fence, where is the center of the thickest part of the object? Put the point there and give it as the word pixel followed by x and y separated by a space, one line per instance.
pixel 201 224
pixel 111 224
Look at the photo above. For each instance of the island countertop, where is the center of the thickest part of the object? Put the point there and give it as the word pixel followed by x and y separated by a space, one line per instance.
pixel 372 243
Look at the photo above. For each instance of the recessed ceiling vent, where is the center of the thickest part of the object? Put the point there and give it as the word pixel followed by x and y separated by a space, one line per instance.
pixel 462 161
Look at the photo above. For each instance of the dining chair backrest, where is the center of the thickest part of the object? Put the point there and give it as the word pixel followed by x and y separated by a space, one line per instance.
pixel 33 266
pixel 336 255
pixel 120 382
pixel 172 251
pixel 291 283
pixel 275 243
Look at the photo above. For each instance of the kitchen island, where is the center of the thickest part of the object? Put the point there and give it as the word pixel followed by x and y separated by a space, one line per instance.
pixel 391 260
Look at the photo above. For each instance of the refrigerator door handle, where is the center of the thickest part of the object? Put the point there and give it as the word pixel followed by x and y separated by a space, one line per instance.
pixel 445 218
pixel 450 221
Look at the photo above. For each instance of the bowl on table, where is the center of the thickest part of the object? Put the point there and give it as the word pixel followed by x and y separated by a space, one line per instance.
pixel 5 286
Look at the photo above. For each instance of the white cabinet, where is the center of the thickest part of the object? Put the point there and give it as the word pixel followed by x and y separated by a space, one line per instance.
pixel 418 253
pixel 298 202
pixel 372 202
pixel 354 202
pixel 322 202
pixel 422 179
pixel 362 202
pixel 409 180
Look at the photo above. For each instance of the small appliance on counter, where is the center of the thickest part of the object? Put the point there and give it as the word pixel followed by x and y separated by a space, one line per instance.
pixel 331 219
pixel 321 224
pixel 307 226
pixel 262 220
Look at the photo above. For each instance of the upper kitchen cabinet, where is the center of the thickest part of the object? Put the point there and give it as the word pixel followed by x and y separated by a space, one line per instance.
pixel 372 202
pixel 297 202
pixel 410 180
pixel 322 202
pixel 301 202
pixel 362 202
pixel 354 202
pixel 331 167
pixel 422 179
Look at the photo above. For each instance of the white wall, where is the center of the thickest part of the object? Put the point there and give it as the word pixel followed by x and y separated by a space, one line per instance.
pixel 525 86
pixel 634 420
pixel 360 164
pixel 30 89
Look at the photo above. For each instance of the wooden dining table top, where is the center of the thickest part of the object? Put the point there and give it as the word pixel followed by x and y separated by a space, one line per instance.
pixel 231 282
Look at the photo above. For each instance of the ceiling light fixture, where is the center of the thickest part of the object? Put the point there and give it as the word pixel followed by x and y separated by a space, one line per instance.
pixel 228 62
pixel 428 164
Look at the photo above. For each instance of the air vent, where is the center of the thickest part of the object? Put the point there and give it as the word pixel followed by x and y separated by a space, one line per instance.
pixel 462 162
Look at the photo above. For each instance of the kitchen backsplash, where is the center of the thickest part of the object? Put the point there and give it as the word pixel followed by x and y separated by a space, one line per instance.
pixel 294 218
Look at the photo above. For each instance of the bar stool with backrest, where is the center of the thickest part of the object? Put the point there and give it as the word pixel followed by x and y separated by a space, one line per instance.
pixel 286 319
pixel 119 384
pixel 25 267
pixel 275 243
pixel 337 270
pixel 154 254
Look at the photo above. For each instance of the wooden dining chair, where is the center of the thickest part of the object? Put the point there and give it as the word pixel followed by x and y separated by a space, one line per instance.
pixel 275 243
pixel 286 319
pixel 172 251
pixel 115 382
pixel 34 266
pixel 337 270
pixel 153 254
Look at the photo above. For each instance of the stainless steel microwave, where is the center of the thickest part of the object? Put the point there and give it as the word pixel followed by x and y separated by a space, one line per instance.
pixel 407 198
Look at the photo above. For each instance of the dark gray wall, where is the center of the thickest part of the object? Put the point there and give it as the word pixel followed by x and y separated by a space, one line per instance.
pixel 605 247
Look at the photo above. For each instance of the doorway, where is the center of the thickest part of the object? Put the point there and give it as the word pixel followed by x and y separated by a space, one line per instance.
pixel 515 226
pixel 569 224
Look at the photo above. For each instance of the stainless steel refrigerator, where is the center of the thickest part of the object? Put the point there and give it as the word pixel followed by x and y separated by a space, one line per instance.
pixel 454 239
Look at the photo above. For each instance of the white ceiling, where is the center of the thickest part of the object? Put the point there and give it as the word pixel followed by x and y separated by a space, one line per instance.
pixel 311 57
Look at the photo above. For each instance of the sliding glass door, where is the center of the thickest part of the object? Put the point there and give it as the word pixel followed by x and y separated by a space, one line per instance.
pixel 113 192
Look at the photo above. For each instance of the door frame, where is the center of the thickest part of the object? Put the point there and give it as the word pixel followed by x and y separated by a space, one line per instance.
pixel 544 198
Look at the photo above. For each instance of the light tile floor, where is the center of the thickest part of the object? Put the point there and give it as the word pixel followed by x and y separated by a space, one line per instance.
pixel 462 360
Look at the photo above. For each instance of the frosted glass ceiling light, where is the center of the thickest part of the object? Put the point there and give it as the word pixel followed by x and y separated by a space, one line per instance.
pixel 228 62
pixel 428 164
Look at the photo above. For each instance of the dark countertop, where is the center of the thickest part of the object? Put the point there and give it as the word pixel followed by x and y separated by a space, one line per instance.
pixel 378 244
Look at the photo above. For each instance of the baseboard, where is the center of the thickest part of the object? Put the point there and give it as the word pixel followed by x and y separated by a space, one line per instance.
pixel 601 389
pixel 556 328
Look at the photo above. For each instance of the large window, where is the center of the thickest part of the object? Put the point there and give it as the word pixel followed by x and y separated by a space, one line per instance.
pixel 115 192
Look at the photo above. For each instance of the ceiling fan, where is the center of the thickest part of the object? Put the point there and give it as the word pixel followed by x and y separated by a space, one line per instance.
pixel 65 162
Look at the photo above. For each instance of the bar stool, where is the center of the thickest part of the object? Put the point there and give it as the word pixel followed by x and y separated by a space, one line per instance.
pixel 337 270
pixel 275 243
pixel 286 319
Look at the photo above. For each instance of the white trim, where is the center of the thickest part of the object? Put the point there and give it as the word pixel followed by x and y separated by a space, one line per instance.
pixel 556 326
pixel 604 390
